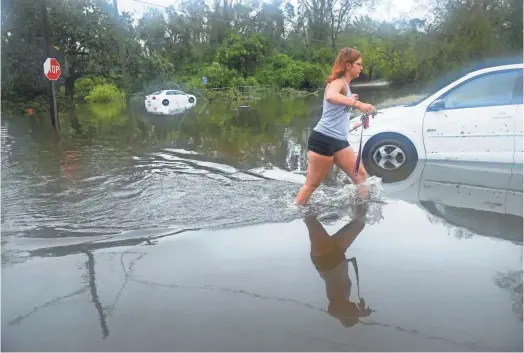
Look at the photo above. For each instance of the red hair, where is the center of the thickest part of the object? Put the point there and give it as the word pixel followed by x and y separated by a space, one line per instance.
pixel 345 56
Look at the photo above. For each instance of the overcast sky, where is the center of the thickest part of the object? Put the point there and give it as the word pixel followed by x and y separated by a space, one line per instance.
pixel 385 10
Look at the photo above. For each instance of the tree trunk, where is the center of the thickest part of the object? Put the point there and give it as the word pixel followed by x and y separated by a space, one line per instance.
pixel 75 124
pixel 70 87
pixel 121 52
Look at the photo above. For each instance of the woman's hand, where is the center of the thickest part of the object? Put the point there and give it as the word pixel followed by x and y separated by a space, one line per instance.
pixel 365 108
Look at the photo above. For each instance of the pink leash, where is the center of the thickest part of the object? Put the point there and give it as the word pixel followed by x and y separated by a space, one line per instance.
pixel 365 125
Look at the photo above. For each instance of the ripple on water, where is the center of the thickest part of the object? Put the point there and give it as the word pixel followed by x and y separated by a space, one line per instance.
pixel 164 189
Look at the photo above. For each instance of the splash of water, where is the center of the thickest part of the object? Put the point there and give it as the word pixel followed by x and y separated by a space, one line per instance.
pixel 331 203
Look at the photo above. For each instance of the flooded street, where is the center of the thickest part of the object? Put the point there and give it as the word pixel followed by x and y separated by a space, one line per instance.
pixel 135 232
pixel 215 166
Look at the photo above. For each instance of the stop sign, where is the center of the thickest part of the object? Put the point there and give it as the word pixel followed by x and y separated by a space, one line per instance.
pixel 52 69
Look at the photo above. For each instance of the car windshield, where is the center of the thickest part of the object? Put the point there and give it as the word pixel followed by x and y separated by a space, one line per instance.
pixel 419 98
pixel 440 83
pixel 435 86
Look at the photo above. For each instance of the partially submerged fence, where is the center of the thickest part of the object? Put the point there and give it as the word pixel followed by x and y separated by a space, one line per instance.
pixel 232 93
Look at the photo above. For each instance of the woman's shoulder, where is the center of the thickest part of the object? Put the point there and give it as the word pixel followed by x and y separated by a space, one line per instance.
pixel 344 87
pixel 338 84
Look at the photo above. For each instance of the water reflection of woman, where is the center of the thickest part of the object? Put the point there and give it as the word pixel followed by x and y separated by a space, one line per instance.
pixel 329 258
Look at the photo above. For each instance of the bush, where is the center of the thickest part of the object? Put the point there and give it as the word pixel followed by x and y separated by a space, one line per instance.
pixel 238 81
pixel 104 93
pixel 84 85
pixel 286 72
pixel 219 75
pixel 251 81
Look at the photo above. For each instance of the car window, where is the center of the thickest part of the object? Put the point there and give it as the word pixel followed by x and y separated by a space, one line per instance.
pixel 518 90
pixel 174 93
pixel 487 90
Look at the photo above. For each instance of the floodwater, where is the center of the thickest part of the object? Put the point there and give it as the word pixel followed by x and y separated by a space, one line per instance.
pixel 135 232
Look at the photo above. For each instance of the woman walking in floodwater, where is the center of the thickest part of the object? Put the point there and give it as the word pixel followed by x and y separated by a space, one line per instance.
pixel 328 142
pixel 328 254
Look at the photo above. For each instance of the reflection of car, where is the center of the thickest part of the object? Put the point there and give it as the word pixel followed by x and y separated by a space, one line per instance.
pixel 476 118
pixel 465 196
pixel 169 102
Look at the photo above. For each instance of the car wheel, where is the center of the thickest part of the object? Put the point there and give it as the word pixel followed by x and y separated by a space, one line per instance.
pixel 191 99
pixel 165 102
pixel 392 157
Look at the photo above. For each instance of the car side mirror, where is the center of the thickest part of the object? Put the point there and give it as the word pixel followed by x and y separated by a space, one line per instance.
pixel 437 105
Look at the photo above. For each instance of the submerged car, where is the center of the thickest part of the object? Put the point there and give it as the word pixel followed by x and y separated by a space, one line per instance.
pixel 477 118
pixel 169 102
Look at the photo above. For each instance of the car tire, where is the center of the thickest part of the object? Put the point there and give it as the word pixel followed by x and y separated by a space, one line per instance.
pixel 165 102
pixel 191 100
pixel 390 156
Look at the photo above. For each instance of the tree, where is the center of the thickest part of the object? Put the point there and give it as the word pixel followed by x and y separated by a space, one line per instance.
pixel 82 29
pixel 243 53
pixel 265 42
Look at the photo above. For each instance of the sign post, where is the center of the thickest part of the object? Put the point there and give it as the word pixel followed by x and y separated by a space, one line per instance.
pixel 52 72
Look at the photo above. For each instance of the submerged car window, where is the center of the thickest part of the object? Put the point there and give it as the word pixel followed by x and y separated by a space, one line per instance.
pixel 486 90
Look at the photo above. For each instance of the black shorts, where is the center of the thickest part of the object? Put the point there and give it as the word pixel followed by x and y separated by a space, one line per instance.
pixel 330 260
pixel 325 145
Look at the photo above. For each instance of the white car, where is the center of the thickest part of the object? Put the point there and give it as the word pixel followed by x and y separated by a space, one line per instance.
pixel 169 102
pixel 477 118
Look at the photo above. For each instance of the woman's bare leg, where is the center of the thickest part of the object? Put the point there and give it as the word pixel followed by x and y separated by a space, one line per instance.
pixel 345 159
pixel 321 242
pixel 318 167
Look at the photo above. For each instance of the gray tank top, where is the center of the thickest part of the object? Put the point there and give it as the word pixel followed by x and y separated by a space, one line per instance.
pixel 335 119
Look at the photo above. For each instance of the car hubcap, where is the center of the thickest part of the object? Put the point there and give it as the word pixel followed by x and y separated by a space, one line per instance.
pixel 389 157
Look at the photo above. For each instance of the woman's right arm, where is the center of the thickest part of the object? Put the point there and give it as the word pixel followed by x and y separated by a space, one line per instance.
pixel 334 96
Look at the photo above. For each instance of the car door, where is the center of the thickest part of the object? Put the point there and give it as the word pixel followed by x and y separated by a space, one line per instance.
pixel 174 98
pixel 178 97
pixel 474 121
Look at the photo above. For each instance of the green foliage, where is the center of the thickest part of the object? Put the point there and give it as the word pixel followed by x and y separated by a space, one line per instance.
pixel 85 85
pixel 243 53
pixel 323 56
pixel 251 81
pixel 283 71
pixel 104 93
pixel 248 43
pixel 219 76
